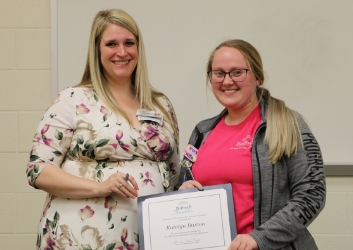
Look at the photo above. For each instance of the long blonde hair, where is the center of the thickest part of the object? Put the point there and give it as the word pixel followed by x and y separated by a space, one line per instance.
pixel 93 76
pixel 282 122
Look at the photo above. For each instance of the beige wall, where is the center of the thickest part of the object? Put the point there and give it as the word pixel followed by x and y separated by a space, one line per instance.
pixel 25 94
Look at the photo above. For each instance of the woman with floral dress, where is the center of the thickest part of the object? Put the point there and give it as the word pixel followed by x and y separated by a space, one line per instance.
pixel 102 143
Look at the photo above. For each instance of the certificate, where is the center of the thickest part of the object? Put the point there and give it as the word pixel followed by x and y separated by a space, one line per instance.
pixel 187 219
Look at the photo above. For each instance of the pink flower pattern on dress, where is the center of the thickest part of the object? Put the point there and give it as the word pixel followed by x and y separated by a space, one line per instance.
pixel 43 137
pixel 68 131
pixel 105 111
pixel 123 238
pixel 51 244
pixel 85 212
pixel 82 109
pixel 45 129
pixel 151 132
pixel 110 203
pixel 119 135
pixel 163 150
pixel 147 179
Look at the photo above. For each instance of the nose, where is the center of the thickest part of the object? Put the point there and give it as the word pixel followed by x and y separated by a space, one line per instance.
pixel 121 51
pixel 227 80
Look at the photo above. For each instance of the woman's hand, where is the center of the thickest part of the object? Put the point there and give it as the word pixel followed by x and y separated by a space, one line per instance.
pixel 243 242
pixel 191 184
pixel 119 183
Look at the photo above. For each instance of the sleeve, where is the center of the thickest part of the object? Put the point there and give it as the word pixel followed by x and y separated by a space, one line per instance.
pixel 173 162
pixel 53 136
pixel 308 196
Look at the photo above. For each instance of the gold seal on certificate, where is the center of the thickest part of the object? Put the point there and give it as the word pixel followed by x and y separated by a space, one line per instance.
pixel 187 219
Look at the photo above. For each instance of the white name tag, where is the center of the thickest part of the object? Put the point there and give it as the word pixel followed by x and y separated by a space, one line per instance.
pixel 148 115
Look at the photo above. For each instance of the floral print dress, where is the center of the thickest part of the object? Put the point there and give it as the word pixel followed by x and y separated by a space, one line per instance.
pixel 84 138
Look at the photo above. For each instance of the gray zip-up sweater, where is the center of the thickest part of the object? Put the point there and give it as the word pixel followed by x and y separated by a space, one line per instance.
pixel 289 194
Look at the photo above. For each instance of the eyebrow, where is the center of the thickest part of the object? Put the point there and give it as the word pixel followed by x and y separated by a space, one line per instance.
pixel 235 68
pixel 114 40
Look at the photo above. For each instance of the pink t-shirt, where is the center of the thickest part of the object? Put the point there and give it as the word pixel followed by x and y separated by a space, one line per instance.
pixel 225 157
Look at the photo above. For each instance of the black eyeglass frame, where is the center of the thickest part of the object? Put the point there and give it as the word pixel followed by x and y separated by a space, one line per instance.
pixel 227 73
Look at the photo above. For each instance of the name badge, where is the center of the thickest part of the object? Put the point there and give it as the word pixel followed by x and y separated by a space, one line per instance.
pixel 191 152
pixel 148 115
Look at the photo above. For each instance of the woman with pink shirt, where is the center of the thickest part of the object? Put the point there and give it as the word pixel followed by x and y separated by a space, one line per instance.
pixel 264 149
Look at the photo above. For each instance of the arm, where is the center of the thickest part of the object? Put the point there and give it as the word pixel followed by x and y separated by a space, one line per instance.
pixel 56 181
pixel 50 146
pixel 308 196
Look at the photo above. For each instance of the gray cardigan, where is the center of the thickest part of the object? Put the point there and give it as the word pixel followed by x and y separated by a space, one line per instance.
pixel 289 194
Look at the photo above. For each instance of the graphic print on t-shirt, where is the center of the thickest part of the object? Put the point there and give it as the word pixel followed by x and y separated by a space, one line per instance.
pixel 245 143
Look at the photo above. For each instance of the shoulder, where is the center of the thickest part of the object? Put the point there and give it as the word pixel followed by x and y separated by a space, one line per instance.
pixel 75 96
pixel 208 124
pixel 78 93
pixel 73 91
pixel 302 123
pixel 162 99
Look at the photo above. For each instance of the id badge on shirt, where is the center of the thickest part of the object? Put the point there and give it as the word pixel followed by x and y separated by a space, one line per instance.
pixel 149 115
pixel 191 152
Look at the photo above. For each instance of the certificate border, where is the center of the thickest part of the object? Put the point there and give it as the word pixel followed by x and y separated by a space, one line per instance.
pixel 204 195
pixel 227 187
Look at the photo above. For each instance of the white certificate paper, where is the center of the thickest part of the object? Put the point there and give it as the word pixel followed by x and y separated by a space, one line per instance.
pixel 192 220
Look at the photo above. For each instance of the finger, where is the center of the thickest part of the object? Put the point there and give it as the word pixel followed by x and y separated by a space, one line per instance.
pixel 200 187
pixel 129 190
pixel 125 179
pixel 191 184
pixel 196 184
pixel 120 183
pixel 133 182
pixel 235 244
pixel 119 191
pixel 124 192
pixel 186 186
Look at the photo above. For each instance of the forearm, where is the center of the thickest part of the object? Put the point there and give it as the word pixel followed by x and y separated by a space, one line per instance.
pixel 56 181
pixel 308 197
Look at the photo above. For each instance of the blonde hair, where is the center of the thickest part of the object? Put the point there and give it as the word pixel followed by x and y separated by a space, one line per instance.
pixel 93 76
pixel 282 123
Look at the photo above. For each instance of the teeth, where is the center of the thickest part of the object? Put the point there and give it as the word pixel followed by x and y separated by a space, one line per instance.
pixel 124 62
pixel 229 90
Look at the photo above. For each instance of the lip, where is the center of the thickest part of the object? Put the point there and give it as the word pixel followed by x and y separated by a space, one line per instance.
pixel 229 90
pixel 121 62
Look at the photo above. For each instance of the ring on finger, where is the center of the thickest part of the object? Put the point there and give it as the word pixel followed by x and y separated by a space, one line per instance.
pixel 120 185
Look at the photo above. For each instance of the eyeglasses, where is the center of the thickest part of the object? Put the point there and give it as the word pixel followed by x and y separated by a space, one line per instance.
pixel 237 75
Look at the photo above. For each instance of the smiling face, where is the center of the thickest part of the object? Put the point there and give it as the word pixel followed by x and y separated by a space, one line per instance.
pixel 119 55
pixel 234 95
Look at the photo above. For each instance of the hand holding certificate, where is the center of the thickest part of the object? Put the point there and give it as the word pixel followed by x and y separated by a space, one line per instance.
pixel 187 219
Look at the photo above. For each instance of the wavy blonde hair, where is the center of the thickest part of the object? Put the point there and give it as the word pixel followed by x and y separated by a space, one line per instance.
pixel 93 76
pixel 282 122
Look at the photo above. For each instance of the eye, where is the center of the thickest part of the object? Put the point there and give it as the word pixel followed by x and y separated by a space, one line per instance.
pixel 130 43
pixel 236 72
pixel 111 44
pixel 218 73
